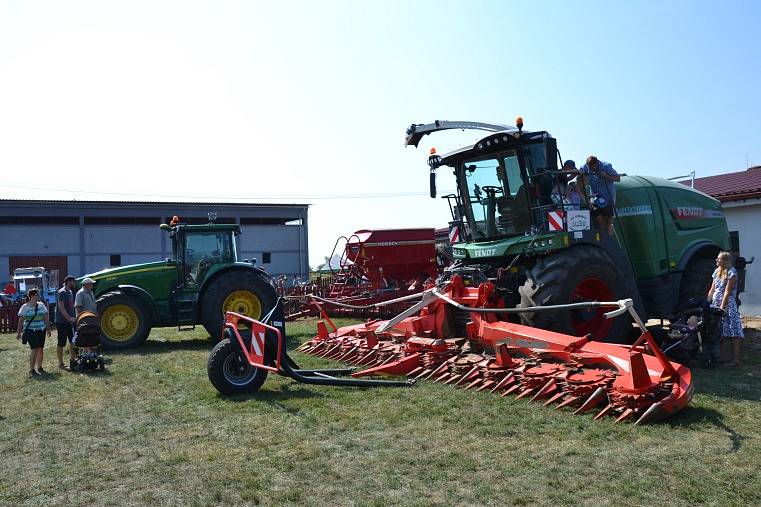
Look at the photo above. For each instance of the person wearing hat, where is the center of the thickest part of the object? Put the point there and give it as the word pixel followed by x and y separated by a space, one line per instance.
pixel 64 317
pixel 85 299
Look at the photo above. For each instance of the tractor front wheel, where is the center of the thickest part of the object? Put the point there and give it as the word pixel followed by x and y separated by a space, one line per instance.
pixel 243 292
pixel 582 273
pixel 124 321
pixel 230 373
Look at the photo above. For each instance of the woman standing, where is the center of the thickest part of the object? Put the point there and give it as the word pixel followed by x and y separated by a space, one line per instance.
pixel 723 294
pixel 33 323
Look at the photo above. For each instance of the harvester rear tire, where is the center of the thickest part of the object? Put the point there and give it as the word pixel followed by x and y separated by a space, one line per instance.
pixel 131 325
pixel 563 278
pixel 213 303
pixel 230 373
pixel 696 279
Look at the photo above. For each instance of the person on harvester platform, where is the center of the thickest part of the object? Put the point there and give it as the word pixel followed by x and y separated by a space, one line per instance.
pixel 599 177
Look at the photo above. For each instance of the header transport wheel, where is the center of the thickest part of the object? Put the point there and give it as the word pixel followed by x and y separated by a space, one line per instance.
pixel 582 273
pixel 124 321
pixel 243 292
pixel 230 373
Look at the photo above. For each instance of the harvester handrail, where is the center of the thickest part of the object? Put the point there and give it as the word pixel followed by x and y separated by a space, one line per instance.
pixel 622 306
pixel 367 307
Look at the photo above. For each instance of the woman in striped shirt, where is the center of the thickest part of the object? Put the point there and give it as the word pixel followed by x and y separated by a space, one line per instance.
pixel 33 324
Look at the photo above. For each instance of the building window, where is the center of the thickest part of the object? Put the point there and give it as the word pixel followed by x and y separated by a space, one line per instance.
pixel 116 260
pixel 49 220
pixel 266 257
pixel 264 221
pixel 121 221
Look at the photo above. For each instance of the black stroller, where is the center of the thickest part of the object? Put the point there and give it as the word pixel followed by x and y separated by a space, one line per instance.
pixel 86 344
pixel 694 333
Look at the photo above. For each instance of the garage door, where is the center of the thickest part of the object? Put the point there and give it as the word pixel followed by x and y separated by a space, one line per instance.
pixel 49 262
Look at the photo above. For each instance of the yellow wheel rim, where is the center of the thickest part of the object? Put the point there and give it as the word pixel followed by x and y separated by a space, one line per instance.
pixel 119 322
pixel 243 302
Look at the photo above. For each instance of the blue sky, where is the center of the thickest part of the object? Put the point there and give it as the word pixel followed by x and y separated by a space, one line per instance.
pixel 308 101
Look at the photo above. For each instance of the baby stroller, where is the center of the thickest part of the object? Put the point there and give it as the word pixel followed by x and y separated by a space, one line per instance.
pixel 694 333
pixel 86 344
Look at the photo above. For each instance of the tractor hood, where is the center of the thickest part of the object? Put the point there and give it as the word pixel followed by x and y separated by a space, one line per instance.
pixel 493 250
pixel 125 271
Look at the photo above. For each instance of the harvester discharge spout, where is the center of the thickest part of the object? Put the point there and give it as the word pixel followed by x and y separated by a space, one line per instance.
pixel 459 335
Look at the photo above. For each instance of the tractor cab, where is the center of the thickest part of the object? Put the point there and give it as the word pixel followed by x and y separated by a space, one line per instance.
pixel 197 248
pixel 507 182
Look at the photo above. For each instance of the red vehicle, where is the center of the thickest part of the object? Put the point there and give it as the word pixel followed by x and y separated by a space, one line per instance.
pixel 376 265
pixel 382 259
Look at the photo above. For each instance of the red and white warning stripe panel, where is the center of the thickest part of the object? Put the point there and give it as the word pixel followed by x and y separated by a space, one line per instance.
pixel 257 343
pixel 555 220
pixel 454 235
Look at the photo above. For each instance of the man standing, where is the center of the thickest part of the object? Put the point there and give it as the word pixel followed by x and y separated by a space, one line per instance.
pixel 64 317
pixel 85 300
pixel 599 176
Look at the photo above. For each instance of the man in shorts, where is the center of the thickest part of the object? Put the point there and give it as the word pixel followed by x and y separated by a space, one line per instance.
pixel 64 317
pixel 600 176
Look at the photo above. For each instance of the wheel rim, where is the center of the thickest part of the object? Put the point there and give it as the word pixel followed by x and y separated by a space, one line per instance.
pixel 243 302
pixel 591 320
pixel 237 371
pixel 120 322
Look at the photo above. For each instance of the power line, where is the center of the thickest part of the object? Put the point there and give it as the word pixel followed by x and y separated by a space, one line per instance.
pixel 228 196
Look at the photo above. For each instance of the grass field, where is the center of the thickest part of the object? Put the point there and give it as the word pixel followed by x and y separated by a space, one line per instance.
pixel 152 430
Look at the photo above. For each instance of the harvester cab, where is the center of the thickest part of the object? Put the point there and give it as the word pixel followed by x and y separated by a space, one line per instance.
pixel 510 208
pixel 505 180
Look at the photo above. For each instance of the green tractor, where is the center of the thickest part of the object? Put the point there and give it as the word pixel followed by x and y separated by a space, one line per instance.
pixel 538 249
pixel 200 282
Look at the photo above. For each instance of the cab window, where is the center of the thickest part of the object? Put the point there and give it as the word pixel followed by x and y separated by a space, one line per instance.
pixel 204 249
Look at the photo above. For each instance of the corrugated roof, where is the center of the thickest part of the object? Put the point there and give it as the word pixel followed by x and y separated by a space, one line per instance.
pixel 731 186
pixel 191 204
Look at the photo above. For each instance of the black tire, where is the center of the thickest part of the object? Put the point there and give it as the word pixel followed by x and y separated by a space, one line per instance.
pixel 109 329
pixel 561 278
pixel 212 304
pixel 230 373
pixel 696 279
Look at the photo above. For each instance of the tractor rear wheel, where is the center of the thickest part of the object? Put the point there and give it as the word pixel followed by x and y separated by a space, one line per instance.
pixel 124 320
pixel 230 373
pixel 582 273
pixel 696 279
pixel 243 292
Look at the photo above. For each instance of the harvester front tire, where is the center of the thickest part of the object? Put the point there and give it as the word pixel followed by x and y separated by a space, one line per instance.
pixel 582 273
pixel 230 373
pixel 226 287
pixel 124 321
pixel 696 279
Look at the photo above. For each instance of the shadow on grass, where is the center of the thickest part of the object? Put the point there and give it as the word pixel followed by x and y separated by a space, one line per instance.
pixel 275 398
pixel 696 416
pixel 162 346
pixel 731 383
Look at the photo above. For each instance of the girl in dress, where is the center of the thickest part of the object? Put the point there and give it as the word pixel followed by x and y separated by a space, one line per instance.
pixel 723 294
